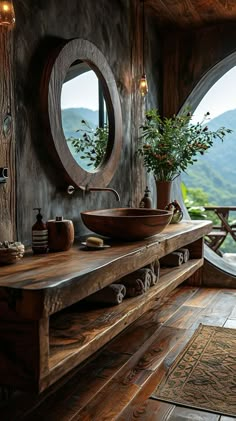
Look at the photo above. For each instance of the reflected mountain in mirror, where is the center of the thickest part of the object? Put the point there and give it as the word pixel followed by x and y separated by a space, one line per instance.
pixel 84 116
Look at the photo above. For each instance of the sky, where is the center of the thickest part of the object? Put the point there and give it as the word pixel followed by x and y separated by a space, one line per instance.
pixel 220 98
pixel 81 91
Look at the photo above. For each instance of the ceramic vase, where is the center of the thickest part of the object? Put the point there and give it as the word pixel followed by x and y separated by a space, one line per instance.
pixel 60 234
pixel 163 189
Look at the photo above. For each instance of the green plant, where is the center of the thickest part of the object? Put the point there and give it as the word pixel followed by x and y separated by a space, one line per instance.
pixel 197 212
pixel 195 200
pixel 92 143
pixel 169 145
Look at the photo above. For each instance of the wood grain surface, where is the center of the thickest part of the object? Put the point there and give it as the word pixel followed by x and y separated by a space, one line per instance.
pixel 193 13
pixel 48 283
pixel 7 138
pixel 39 295
pixel 140 377
pixel 118 381
pixel 74 336
pixel 111 26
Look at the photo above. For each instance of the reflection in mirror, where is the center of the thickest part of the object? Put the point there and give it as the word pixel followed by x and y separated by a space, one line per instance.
pixel 75 59
pixel 84 116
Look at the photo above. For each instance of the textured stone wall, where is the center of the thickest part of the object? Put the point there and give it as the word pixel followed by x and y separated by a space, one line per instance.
pixel 114 27
pixel 174 63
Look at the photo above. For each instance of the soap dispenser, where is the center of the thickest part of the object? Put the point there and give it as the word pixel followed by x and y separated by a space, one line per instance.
pixel 39 234
pixel 146 201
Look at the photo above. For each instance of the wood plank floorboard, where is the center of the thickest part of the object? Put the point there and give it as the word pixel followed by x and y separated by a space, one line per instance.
pixel 117 382
pixel 202 297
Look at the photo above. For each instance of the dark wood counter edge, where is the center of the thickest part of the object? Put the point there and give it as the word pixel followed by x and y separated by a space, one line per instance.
pixel 41 264
pixel 58 292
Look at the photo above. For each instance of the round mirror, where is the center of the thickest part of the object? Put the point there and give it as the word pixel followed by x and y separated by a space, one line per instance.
pixel 82 112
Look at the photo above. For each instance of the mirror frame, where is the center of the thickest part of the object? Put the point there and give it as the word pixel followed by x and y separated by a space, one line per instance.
pixel 53 78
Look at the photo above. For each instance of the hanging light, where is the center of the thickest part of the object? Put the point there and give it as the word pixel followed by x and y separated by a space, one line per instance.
pixel 7 13
pixel 143 85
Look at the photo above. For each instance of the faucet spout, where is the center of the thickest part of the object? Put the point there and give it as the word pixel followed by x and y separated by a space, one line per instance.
pixel 105 189
pixel 71 190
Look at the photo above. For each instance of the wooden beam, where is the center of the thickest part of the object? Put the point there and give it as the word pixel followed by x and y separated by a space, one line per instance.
pixel 7 139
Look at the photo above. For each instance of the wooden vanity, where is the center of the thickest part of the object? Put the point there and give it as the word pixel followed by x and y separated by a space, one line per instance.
pixel 46 330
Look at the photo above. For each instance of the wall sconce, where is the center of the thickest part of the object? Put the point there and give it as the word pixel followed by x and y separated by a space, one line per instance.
pixel 7 13
pixel 143 85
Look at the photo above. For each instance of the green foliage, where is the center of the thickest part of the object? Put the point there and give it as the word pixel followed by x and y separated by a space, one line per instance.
pixel 228 246
pixel 213 179
pixel 183 191
pixel 170 145
pixel 92 143
pixel 197 196
pixel 215 172
pixel 195 200
pixel 197 212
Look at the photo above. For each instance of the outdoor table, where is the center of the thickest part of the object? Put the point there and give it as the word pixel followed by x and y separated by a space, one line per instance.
pixel 219 233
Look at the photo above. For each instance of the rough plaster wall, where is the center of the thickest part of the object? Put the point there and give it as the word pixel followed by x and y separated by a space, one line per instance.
pixel 110 25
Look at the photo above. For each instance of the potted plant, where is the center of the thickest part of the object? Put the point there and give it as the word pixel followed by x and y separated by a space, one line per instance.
pixel 169 145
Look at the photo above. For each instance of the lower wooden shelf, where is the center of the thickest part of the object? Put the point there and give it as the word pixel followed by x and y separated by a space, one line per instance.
pixel 76 332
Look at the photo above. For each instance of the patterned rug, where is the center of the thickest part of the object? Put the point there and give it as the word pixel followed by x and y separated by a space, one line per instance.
pixel 204 374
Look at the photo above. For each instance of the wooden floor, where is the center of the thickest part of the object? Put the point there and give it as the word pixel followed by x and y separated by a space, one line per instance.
pixel 116 383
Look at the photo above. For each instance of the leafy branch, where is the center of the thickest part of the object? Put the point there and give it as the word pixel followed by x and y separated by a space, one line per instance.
pixel 169 145
pixel 92 143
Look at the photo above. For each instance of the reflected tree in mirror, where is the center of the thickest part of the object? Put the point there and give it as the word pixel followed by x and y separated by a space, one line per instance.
pixel 91 145
pixel 84 116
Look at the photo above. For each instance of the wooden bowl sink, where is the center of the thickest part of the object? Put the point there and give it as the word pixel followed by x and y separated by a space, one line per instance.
pixel 128 224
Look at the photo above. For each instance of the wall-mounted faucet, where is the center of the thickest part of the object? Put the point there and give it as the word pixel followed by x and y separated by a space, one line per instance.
pixel 72 189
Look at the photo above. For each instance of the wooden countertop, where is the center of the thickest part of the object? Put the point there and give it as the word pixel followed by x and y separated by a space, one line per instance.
pixel 55 280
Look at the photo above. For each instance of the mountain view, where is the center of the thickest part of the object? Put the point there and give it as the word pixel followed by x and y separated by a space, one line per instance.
pixel 72 117
pixel 215 172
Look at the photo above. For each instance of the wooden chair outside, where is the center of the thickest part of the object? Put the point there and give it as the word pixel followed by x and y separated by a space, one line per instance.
pixel 219 233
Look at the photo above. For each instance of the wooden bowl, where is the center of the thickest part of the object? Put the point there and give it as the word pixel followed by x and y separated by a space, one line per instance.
pixel 127 224
pixel 11 254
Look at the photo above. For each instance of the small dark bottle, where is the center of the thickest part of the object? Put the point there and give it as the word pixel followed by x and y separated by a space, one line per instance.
pixel 146 201
pixel 39 234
